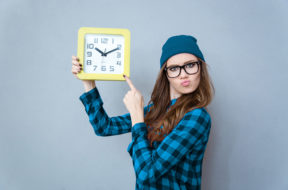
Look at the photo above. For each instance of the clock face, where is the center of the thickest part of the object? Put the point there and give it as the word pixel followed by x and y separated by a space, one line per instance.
pixel 104 54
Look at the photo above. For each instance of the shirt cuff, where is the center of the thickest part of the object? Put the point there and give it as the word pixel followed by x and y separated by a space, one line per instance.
pixel 139 129
pixel 91 96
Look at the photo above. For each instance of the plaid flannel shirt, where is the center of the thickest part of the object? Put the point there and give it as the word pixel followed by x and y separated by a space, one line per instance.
pixel 175 163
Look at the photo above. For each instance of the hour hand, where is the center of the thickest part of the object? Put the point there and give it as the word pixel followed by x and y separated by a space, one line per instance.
pixel 111 51
pixel 102 53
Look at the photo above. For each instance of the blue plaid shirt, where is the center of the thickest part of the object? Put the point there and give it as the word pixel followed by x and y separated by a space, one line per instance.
pixel 175 163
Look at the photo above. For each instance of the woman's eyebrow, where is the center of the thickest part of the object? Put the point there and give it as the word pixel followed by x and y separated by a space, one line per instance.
pixel 174 65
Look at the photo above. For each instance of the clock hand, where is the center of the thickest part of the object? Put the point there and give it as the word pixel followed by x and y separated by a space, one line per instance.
pixel 102 53
pixel 111 51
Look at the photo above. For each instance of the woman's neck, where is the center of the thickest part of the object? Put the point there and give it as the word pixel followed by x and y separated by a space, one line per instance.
pixel 173 93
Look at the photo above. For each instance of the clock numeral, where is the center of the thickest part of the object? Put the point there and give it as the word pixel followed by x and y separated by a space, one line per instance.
pixel 104 40
pixel 118 54
pixel 89 54
pixel 89 62
pixel 95 66
pixel 103 68
pixel 96 40
pixel 118 63
pixel 119 46
pixel 111 68
pixel 90 46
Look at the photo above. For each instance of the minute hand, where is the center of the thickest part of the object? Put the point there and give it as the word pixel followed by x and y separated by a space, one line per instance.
pixel 111 51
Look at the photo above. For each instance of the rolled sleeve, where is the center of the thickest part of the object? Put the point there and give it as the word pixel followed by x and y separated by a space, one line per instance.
pixel 91 96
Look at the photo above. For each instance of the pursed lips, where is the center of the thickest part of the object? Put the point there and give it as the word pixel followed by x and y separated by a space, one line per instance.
pixel 185 82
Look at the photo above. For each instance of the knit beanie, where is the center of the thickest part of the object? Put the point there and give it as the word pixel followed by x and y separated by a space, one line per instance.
pixel 180 44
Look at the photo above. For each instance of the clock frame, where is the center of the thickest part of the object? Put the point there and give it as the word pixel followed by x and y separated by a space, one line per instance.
pixel 82 32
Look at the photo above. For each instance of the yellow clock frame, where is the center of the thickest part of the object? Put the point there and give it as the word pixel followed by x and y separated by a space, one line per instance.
pixel 81 48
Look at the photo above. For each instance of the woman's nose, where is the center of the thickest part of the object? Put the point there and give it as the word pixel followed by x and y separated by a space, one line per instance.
pixel 183 73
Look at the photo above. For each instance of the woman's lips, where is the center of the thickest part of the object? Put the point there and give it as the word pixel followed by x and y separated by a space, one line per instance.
pixel 185 83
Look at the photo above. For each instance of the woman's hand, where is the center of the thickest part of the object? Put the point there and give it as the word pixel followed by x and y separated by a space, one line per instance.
pixel 134 103
pixel 76 68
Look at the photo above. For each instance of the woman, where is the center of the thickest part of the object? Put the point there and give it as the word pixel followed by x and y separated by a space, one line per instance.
pixel 170 134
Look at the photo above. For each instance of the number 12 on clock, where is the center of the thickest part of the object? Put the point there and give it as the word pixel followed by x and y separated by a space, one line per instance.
pixel 104 53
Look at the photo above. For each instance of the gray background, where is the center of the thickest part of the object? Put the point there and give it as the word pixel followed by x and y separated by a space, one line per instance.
pixel 46 140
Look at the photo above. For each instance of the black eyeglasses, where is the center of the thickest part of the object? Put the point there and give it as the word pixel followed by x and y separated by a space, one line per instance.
pixel 190 68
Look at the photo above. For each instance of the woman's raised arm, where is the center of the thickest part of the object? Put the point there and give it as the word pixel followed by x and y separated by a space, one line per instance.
pixel 104 125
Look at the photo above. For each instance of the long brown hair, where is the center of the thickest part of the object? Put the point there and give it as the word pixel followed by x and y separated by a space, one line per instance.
pixel 158 114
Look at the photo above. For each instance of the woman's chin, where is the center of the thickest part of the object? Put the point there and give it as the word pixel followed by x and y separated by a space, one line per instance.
pixel 186 90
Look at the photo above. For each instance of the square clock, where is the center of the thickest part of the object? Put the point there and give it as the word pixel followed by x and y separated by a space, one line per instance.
pixel 104 53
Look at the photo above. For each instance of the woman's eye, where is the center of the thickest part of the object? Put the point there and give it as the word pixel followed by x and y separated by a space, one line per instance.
pixel 190 65
pixel 174 68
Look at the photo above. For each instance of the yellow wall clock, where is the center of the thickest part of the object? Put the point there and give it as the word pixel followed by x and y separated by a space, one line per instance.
pixel 104 53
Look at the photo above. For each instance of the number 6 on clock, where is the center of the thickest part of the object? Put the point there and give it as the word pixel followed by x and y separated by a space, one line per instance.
pixel 104 53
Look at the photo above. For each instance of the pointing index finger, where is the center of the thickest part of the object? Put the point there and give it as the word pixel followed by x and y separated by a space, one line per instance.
pixel 129 83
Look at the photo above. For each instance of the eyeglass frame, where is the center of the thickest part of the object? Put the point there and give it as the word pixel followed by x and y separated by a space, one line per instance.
pixel 183 67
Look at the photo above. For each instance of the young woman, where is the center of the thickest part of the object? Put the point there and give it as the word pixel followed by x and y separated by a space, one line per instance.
pixel 170 134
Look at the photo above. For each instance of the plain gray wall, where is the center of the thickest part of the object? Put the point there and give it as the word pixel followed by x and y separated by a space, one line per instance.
pixel 46 140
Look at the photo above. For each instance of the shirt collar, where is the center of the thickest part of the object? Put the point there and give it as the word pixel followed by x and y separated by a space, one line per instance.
pixel 173 101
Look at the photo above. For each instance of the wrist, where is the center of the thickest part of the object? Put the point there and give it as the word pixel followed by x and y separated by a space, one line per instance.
pixel 137 118
pixel 89 85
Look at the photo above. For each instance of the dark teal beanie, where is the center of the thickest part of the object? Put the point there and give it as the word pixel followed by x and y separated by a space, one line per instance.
pixel 180 44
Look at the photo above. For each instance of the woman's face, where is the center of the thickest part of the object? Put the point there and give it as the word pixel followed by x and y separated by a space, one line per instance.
pixel 177 84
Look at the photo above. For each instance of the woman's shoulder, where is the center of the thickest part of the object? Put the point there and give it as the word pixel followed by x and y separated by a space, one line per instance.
pixel 201 112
